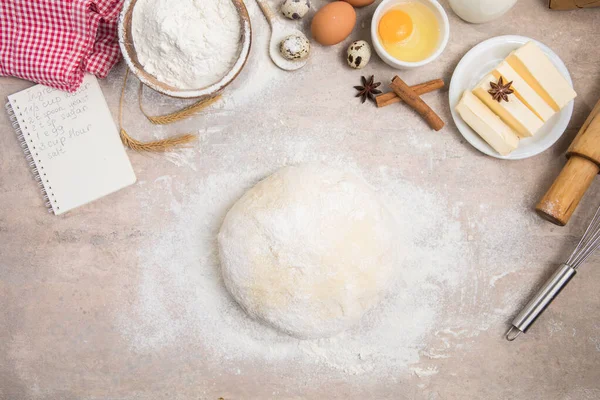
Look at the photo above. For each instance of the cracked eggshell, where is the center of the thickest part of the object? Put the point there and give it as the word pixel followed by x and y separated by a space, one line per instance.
pixel 359 54
pixel 295 9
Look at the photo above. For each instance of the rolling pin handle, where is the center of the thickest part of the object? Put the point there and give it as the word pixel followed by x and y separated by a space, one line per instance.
pixel 561 200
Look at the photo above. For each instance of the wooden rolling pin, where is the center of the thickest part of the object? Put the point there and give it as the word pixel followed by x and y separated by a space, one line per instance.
pixel 561 200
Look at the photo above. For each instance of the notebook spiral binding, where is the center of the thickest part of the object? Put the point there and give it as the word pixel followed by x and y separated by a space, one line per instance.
pixel 28 156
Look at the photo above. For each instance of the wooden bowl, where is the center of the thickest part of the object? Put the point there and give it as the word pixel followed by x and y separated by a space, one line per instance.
pixel 130 55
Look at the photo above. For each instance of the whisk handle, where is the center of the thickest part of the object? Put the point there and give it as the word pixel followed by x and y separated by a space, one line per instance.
pixel 541 301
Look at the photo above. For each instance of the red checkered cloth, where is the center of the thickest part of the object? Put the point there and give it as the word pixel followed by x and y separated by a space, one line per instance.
pixel 55 42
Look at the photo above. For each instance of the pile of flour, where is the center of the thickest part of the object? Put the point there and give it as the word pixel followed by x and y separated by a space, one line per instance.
pixel 188 44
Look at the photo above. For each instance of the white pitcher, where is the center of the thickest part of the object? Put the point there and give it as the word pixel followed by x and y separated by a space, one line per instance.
pixel 479 11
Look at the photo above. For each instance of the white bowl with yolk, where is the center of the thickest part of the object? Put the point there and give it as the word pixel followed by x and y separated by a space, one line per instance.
pixel 443 27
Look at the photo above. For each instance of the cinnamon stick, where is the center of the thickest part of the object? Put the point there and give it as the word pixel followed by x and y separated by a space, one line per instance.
pixel 414 101
pixel 386 99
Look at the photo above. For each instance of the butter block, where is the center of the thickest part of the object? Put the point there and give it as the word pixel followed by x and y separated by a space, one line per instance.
pixel 513 112
pixel 487 124
pixel 524 92
pixel 532 64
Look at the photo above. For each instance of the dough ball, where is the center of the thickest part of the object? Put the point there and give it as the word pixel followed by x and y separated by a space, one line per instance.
pixel 308 250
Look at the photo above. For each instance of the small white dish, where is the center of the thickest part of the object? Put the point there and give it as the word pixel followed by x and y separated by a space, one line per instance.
pixel 442 18
pixel 480 61
pixel 481 11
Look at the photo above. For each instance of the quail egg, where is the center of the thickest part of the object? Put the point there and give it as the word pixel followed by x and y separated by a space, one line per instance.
pixel 359 54
pixel 294 47
pixel 295 9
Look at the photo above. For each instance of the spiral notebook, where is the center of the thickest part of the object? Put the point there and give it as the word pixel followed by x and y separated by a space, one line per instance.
pixel 71 143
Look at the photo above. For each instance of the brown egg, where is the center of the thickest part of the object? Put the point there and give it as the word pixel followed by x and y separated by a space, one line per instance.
pixel 360 3
pixel 333 23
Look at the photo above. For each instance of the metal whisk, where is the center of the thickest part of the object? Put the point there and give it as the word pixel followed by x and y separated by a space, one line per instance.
pixel 586 246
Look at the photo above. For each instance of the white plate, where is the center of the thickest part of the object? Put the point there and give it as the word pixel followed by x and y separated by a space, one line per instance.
pixel 480 61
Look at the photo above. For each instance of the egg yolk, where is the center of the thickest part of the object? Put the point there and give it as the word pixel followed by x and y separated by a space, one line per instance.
pixel 395 26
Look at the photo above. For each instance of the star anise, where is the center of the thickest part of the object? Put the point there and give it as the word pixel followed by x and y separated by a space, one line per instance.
pixel 500 90
pixel 368 90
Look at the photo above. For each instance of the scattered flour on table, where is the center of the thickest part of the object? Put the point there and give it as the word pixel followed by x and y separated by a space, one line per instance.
pixel 182 298
pixel 189 44
pixel 444 299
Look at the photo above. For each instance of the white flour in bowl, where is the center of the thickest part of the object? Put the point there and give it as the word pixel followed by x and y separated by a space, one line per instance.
pixel 188 44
